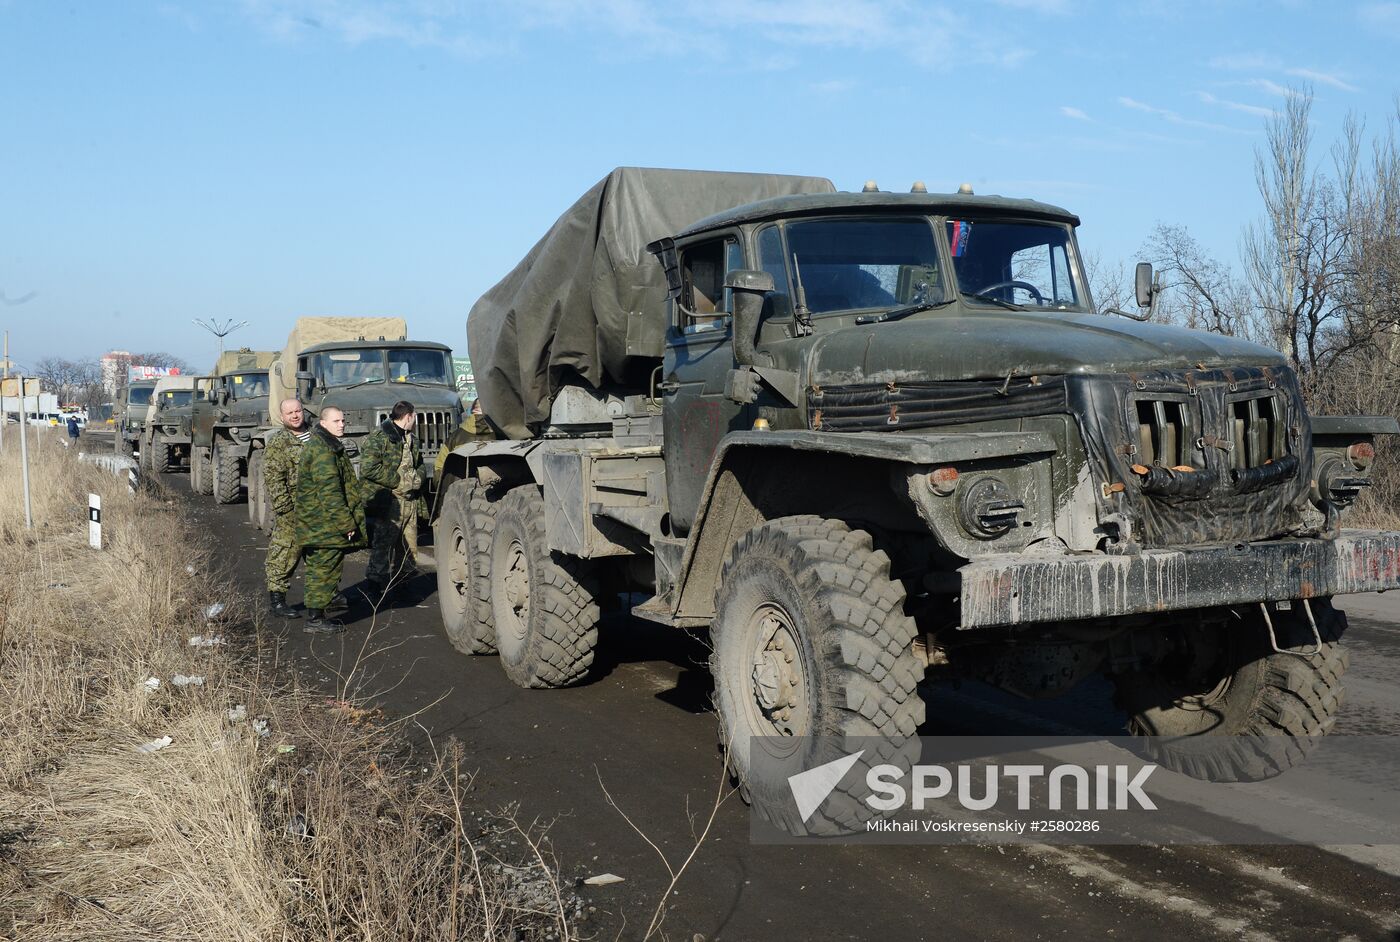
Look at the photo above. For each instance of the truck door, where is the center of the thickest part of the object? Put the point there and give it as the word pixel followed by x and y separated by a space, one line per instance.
pixel 699 356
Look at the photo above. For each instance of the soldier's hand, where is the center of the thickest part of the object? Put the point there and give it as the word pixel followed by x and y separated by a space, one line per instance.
pixel 350 537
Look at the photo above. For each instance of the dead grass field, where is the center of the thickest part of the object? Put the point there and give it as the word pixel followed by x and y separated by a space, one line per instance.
pixel 273 813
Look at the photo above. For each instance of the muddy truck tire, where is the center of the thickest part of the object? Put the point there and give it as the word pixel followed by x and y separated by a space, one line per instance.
pixel 462 535
pixel 811 644
pixel 227 486
pixel 201 471
pixel 1227 707
pixel 544 605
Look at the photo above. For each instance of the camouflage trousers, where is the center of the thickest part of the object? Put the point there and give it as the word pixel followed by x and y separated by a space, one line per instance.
pixel 323 565
pixel 393 542
pixel 282 555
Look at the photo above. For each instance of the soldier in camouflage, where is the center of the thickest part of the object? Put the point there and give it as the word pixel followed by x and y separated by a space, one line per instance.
pixel 280 478
pixel 391 478
pixel 329 516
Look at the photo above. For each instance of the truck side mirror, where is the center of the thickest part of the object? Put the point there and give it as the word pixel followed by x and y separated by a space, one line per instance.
pixel 749 287
pixel 1145 285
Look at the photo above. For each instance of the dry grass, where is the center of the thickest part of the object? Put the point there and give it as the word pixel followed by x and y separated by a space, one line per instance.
pixel 312 831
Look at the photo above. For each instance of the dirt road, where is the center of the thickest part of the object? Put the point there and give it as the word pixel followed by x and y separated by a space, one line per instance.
pixel 640 726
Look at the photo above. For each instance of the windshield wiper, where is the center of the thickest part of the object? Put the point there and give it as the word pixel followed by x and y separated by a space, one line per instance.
pixel 894 314
pixel 991 300
pixel 362 382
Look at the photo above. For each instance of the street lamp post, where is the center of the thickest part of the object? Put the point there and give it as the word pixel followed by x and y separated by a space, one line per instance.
pixel 220 330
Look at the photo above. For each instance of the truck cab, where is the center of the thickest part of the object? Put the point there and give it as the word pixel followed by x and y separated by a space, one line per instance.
pixel 130 409
pixel 165 440
pixel 224 422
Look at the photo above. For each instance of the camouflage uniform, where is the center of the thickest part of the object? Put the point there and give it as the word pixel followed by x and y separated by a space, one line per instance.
pixel 280 478
pixel 328 506
pixel 391 476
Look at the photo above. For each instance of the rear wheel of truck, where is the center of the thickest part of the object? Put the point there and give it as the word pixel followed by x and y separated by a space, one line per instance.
pixel 544 605
pixel 227 485
pixel 462 540
pixel 201 471
pixel 1224 706
pixel 813 660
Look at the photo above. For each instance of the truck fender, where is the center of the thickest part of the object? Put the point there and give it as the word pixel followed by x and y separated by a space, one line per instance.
pixel 737 490
pixel 508 458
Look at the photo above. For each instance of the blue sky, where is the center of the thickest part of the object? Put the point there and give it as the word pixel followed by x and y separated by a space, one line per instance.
pixel 265 159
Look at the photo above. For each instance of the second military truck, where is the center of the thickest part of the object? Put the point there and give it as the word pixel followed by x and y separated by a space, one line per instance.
pixel 868 436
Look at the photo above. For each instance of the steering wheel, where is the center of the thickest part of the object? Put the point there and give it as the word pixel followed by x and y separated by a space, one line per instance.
pixel 1026 285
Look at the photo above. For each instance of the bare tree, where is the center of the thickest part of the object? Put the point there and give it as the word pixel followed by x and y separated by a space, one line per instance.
pixel 1199 291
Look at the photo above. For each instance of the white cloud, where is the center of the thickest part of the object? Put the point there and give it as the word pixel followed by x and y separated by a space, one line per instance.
pixel 708 28
pixel 1166 114
pixel 1043 7
pixel 1210 99
pixel 1382 17
pixel 1074 113
pixel 1323 78
pixel 1246 62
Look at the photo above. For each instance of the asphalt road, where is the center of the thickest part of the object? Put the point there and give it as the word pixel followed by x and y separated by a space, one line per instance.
pixel 640 726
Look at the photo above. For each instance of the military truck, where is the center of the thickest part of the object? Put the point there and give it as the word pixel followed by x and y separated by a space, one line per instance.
pixel 865 437
pixel 225 421
pixel 165 439
pixel 361 365
pixel 129 414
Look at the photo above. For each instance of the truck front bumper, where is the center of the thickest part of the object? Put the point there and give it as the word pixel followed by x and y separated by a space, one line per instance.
pixel 1018 590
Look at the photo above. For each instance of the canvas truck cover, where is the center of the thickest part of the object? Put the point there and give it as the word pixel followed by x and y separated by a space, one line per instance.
pixel 309 331
pixel 232 361
pixel 589 301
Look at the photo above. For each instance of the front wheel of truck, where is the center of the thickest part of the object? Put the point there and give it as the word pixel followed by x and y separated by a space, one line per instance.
pixel 813 661
pixel 1223 705
pixel 463 532
pixel 544 605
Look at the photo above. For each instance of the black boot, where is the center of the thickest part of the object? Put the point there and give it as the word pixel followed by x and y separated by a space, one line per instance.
pixel 317 623
pixel 338 605
pixel 375 591
pixel 280 608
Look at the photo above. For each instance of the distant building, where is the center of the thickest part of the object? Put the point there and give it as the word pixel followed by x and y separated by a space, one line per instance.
pixel 114 367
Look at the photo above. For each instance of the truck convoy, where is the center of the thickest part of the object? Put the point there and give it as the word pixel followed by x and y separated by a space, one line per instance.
pixel 869 437
pixel 361 365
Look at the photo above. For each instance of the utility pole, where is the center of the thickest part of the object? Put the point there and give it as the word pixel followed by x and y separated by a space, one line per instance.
pixel 219 330
pixel 24 456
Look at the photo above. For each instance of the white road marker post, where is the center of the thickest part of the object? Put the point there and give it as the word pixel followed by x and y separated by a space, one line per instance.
pixel 95 521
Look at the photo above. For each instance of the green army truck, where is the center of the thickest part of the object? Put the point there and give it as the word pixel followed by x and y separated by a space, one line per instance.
pixel 165 439
pixel 129 414
pixel 226 420
pixel 869 437
pixel 361 365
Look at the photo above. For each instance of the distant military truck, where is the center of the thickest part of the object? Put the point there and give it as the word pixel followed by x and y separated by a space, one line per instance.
pixel 129 414
pixel 165 440
pixel 225 421
pixel 361 365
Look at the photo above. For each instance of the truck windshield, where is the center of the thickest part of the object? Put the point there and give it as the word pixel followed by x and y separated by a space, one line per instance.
pixel 848 264
pixel 1023 263
pixel 420 366
pixel 349 367
pixel 176 397
pixel 248 385
pixel 139 395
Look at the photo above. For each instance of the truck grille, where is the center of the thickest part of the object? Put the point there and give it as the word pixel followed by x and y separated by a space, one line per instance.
pixel 1256 432
pixel 1163 433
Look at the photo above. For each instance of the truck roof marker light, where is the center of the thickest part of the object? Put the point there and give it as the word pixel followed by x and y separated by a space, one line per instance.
pixel 760 425
pixel 965 189
pixel 918 187
pixel 870 187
